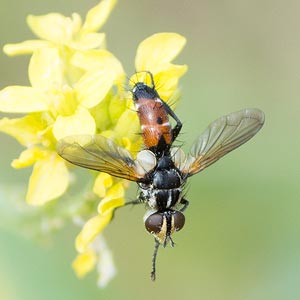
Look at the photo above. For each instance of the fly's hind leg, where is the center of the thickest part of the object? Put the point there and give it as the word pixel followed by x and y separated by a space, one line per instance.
pixel 178 126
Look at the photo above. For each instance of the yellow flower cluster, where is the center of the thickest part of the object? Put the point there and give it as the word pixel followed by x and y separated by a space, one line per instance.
pixel 77 88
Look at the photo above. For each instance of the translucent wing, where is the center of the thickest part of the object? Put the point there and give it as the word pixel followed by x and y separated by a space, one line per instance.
pixel 222 136
pixel 100 154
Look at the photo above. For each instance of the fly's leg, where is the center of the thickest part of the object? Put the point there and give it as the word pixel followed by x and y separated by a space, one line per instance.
pixel 133 202
pixel 139 200
pixel 178 126
pixel 185 204
pixel 153 272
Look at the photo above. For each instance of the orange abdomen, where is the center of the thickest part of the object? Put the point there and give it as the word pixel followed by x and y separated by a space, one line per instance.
pixel 154 121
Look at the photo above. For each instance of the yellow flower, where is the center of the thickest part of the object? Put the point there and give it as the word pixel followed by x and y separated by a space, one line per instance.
pixel 55 110
pixel 76 87
pixel 98 255
pixel 60 38
pixel 61 94
pixel 155 54
pixel 56 30
pixel 84 263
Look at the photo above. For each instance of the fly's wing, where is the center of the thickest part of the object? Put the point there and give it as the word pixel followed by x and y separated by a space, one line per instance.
pixel 99 153
pixel 222 136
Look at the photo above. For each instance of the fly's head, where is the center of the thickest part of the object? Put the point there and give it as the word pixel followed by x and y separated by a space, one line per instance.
pixel 163 224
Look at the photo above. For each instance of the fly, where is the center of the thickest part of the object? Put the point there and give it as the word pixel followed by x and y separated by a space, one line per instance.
pixel 160 169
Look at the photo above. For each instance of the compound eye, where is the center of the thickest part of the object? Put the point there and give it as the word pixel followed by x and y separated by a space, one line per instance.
pixel 154 223
pixel 179 220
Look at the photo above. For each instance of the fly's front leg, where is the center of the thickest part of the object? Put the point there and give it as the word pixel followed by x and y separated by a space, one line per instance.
pixel 141 199
pixel 185 204
pixel 133 202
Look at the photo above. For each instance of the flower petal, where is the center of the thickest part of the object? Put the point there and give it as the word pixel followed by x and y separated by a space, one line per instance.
pixel 157 50
pixel 114 198
pixel 170 77
pixel 54 27
pixel 26 47
pixel 91 229
pixel 22 99
pixel 116 108
pixel 128 126
pixel 107 204
pixel 93 87
pixel 28 157
pixel 46 68
pixel 102 183
pixel 49 180
pixel 25 130
pixel 98 15
pixel 80 123
pixel 98 59
pixel 84 263
pixel 91 40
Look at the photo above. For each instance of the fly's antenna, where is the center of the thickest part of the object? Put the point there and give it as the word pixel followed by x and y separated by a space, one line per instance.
pixel 153 273
pixel 152 79
pixel 131 81
pixel 148 73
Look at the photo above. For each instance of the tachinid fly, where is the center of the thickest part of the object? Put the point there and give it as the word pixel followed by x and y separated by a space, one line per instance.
pixel 160 169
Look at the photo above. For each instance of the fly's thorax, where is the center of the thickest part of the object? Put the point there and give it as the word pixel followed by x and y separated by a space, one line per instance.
pixel 163 224
pixel 164 189
pixel 160 199
pixel 166 175
pixel 167 198
pixel 167 179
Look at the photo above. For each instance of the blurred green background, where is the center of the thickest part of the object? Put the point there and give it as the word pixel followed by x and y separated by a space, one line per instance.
pixel 241 240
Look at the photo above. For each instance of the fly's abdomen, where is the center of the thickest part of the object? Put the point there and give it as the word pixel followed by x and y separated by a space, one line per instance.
pixel 154 122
